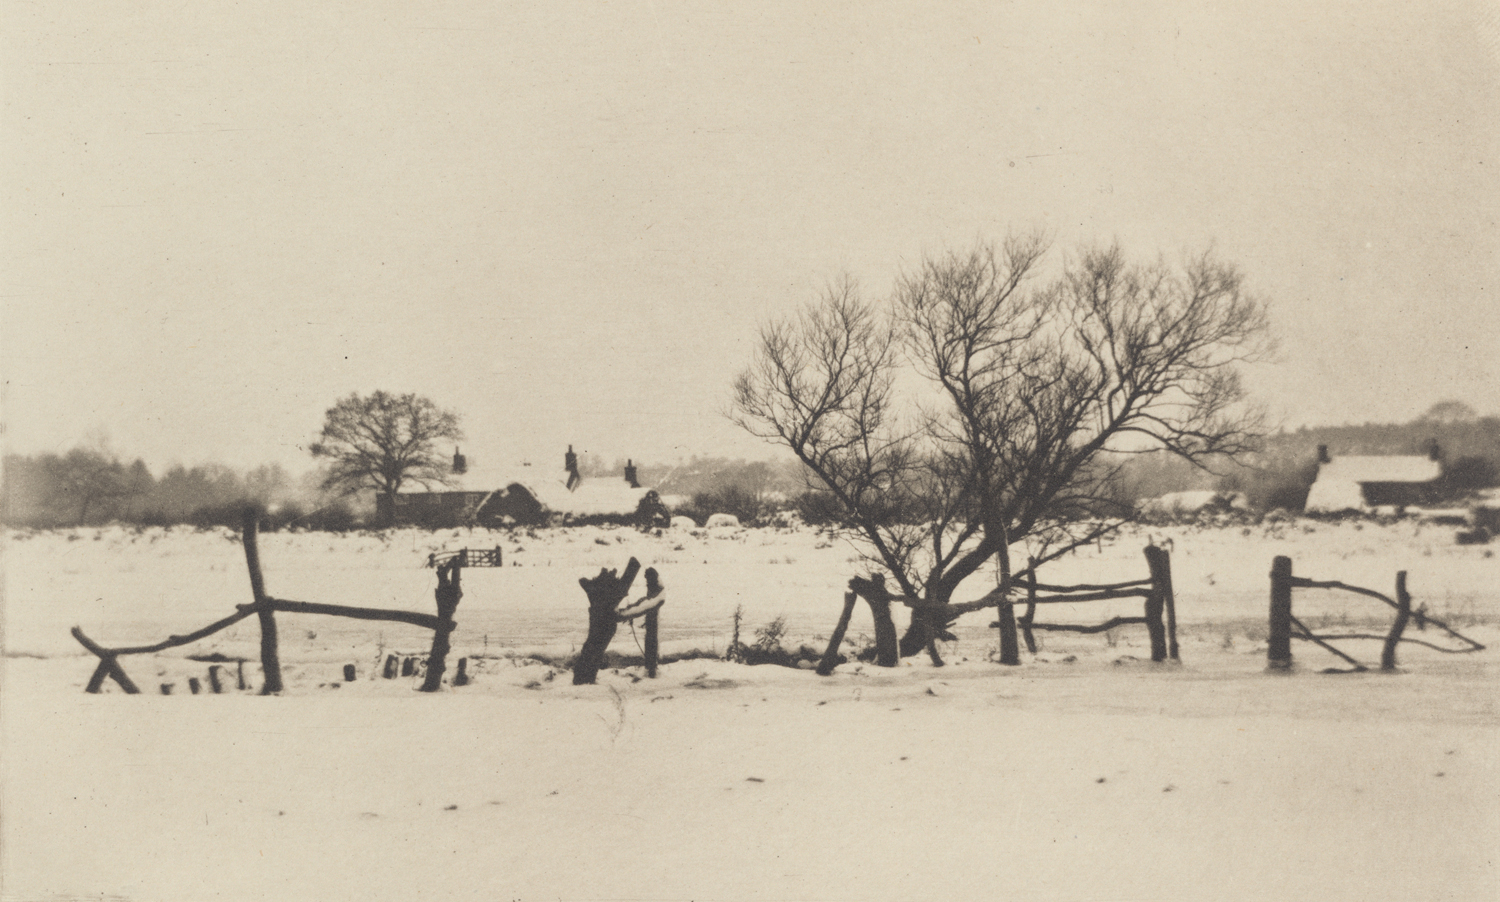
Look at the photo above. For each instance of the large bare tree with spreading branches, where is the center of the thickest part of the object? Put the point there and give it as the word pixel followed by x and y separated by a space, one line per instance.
pixel 1030 392
pixel 384 441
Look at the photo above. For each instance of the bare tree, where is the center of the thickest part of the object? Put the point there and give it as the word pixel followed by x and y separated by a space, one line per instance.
pixel 1030 391
pixel 384 441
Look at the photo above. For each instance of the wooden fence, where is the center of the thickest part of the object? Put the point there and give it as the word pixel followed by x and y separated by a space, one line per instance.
pixel 1159 616
pixel 1284 627
pixel 265 607
pixel 468 557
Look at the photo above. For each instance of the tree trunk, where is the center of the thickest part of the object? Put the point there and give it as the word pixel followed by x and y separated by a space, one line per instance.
pixel 1010 654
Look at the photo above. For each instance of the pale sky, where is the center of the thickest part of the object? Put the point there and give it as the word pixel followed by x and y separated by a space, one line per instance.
pixel 567 221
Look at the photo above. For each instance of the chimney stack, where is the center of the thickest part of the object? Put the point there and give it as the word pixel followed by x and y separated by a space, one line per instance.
pixel 1323 457
pixel 630 474
pixel 460 464
pixel 570 461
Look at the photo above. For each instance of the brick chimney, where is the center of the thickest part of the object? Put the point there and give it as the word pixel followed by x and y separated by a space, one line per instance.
pixel 630 474
pixel 460 463
pixel 570 462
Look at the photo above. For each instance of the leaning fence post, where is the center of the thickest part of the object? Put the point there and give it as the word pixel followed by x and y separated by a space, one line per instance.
pixel 1279 639
pixel 1159 562
pixel 270 661
pixel 1403 614
pixel 831 656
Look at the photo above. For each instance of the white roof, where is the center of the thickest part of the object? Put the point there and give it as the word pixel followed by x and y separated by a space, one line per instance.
pixel 593 496
pixel 1339 483
pixel 1377 468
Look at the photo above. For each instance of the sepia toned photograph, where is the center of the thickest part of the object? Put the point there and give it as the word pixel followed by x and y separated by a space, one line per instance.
pixel 749 452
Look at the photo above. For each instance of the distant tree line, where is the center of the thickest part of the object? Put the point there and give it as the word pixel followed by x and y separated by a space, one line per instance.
pixel 1279 473
pixel 90 487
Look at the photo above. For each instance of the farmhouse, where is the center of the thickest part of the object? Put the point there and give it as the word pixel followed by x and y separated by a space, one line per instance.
pixel 1366 482
pixel 524 496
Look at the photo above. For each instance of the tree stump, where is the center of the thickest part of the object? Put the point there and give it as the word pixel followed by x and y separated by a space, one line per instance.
pixel 461 678
pixel 391 666
pixel 194 686
pixel 348 673
pixel 873 591
pixel 605 592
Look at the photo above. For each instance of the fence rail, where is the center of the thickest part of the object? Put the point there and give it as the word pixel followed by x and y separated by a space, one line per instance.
pixel 265 607
pixel 1284 627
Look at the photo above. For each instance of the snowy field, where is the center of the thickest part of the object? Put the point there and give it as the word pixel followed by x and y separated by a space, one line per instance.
pixel 1086 773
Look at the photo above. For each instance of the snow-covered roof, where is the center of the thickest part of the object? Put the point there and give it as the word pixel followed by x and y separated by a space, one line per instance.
pixel 1340 482
pixel 593 496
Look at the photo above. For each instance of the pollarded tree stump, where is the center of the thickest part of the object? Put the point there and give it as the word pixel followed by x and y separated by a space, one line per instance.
pixel 605 592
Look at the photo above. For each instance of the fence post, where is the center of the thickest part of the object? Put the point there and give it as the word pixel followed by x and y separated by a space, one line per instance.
pixel 1030 615
pixel 652 647
pixel 270 660
pixel 1159 562
pixel 1155 603
pixel 831 656
pixel 447 594
pixel 1279 639
pixel 1403 614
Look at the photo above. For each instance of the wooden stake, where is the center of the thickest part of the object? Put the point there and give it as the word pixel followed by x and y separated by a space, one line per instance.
pixel 1403 614
pixel 1279 641
pixel 215 683
pixel 652 646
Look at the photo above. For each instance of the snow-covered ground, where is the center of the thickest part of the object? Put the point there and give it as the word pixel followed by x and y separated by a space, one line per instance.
pixel 1085 773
